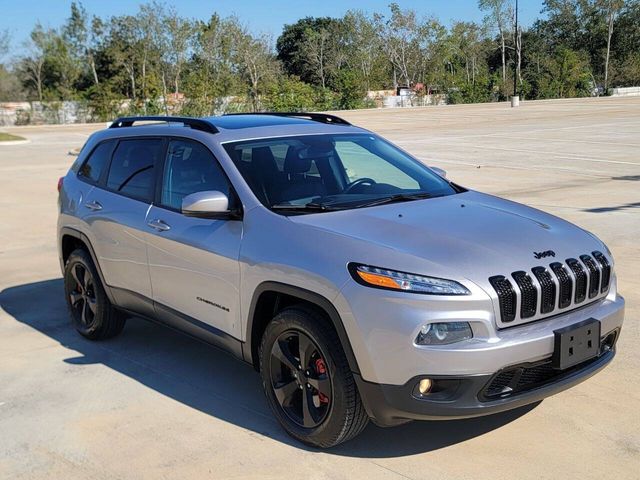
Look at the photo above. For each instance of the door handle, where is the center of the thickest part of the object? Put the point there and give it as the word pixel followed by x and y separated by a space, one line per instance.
pixel 158 225
pixel 95 206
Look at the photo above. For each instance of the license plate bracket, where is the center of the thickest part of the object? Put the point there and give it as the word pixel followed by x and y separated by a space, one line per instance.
pixel 576 343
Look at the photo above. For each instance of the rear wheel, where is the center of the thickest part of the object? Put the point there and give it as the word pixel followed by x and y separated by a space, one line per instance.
pixel 307 379
pixel 91 312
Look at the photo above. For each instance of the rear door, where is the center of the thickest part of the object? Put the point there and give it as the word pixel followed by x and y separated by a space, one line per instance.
pixel 193 262
pixel 116 211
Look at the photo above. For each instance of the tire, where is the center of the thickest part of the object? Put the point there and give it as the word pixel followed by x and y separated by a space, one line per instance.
pixel 92 314
pixel 302 337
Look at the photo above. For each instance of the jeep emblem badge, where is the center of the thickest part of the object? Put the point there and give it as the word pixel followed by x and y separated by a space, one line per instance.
pixel 546 253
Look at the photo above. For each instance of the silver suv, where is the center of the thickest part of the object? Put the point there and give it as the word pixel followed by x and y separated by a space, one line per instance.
pixel 361 283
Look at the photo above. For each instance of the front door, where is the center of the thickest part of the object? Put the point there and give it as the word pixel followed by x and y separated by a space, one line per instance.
pixel 193 262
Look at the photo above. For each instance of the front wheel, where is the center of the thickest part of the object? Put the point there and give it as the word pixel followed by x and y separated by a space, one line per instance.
pixel 307 379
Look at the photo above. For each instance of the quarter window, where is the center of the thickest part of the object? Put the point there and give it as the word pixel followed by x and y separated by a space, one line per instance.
pixel 189 168
pixel 132 168
pixel 96 163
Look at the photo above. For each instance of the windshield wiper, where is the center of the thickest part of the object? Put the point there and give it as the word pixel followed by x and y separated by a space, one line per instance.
pixel 325 207
pixel 400 197
pixel 311 206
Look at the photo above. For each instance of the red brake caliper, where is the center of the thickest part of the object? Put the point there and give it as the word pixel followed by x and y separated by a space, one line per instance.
pixel 321 369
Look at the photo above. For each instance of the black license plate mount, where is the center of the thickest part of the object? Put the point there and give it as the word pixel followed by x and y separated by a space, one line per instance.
pixel 576 343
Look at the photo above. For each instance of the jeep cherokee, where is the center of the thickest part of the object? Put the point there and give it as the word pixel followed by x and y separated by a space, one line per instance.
pixel 360 283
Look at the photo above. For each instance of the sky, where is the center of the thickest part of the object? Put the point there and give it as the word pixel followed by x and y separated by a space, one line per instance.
pixel 262 16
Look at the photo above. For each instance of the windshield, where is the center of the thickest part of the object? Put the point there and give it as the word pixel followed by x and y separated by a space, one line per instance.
pixel 330 172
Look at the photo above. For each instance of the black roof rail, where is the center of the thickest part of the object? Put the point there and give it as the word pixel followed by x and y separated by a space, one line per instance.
pixel 316 117
pixel 195 123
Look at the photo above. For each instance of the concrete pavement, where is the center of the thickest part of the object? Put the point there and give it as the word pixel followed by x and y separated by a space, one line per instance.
pixel 155 404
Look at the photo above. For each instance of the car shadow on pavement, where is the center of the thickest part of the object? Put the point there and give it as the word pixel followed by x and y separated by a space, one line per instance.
pixel 214 382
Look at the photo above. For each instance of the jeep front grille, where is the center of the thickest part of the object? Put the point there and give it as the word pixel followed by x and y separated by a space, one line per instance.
pixel 528 294
pixel 546 290
pixel 565 284
pixel 606 270
pixel 581 279
pixel 506 297
pixel 594 275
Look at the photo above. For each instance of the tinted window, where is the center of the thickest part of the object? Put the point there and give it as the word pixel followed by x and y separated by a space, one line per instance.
pixel 132 168
pixel 97 162
pixel 190 167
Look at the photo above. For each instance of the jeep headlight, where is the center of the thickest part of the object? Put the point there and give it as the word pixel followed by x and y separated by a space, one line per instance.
pixel 408 282
pixel 444 333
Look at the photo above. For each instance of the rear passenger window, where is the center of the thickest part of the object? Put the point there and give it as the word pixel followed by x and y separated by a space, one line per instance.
pixel 132 168
pixel 97 162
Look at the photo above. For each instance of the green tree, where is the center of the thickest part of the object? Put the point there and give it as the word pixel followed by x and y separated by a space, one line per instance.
pixel 32 65
pixel 256 64
pixel 499 17
pixel 289 94
pixel 307 43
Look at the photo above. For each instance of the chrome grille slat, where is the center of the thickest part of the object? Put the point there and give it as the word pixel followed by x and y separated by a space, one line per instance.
pixel 565 284
pixel 581 279
pixel 548 289
pixel 506 297
pixel 528 294
pixel 594 275
pixel 606 270
pixel 545 290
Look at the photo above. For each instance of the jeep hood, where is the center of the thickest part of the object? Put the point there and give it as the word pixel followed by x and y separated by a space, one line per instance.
pixel 470 235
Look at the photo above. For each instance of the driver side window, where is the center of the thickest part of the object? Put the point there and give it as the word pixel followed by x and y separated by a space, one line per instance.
pixel 361 163
pixel 189 168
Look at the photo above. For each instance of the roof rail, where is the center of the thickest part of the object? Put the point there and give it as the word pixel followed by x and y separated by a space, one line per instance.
pixel 194 123
pixel 316 117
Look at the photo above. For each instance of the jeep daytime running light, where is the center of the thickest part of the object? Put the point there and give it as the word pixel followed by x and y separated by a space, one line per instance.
pixel 408 282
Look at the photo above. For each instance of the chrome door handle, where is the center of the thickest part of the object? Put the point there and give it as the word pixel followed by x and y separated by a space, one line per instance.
pixel 159 225
pixel 95 206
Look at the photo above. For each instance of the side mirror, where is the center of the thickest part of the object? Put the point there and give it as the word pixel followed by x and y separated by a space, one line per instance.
pixel 439 171
pixel 207 204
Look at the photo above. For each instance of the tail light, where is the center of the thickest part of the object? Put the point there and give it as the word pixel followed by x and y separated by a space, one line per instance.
pixel 60 182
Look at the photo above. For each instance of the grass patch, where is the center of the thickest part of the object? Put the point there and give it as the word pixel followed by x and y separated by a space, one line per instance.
pixel 7 137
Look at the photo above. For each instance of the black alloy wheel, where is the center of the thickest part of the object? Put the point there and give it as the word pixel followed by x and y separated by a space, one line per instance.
pixel 300 379
pixel 307 379
pixel 83 296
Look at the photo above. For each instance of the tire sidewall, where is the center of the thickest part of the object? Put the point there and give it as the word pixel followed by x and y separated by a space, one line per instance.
pixel 80 257
pixel 333 424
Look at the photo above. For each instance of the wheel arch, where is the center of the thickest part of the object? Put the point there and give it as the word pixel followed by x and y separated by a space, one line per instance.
pixel 70 240
pixel 271 297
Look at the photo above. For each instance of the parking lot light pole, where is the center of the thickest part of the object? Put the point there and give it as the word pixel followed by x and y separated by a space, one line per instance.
pixel 515 99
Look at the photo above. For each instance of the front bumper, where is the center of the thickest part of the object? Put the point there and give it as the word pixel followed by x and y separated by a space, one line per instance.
pixel 382 330
pixel 389 405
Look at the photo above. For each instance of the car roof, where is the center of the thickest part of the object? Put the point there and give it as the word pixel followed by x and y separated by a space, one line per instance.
pixel 232 127
pixel 233 122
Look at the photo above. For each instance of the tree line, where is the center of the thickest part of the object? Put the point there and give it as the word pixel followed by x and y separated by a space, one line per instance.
pixel 159 62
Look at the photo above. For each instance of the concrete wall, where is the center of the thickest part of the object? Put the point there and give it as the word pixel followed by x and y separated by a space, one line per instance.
pixel 35 113
pixel 625 92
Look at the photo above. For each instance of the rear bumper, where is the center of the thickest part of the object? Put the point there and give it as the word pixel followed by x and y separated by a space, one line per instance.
pixel 389 405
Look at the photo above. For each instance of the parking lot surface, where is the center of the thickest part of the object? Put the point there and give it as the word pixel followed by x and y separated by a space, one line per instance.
pixel 155 404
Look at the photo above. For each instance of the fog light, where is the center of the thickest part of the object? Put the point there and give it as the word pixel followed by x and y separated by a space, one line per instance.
pixel 424 386
pixel 444 333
